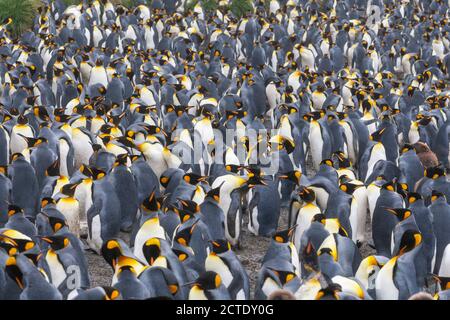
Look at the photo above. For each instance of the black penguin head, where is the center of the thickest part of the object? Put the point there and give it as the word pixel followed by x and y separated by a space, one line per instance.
pixel 13 209
pixel 183 237
pixel 327 162
pixel 193 178
pixel 283 276
pixel 410 239
pixel 255 177
pixel 9 248
pixel 343 161
pixel 69 189
pixel 435 195
pixel 57 242
pixel 349 188
pixel 22 120
pixel 14 272
pixel 151 250
pixel 390 186
pixel 121 160
pixel 214 193
pixel 53 170
pixel 407 147
pixel 329 293
pixel 189 206
pixel 444 282
pixel 86 170
pixel 56 223
pixel 284 236
pixel 307 194
pixel 208 280
pixel 293 176
pixel 434 172
pixel 111 251
pixel 111 293
pixel 376 136
pixel 151 203
pixel 320 217
pixel 46 201
pixel 219 246
pixel 97 174
pixel 400 213
pixel 413 197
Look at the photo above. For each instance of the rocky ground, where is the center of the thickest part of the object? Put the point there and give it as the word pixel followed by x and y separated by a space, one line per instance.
pixel 251 252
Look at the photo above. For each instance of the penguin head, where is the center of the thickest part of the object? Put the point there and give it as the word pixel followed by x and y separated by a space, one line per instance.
pixel 214 193
pixel 434 172
pixel 4 170
pixel 349 188
pixel 376 136
pixel 9 248
pixel 121 160
pixel 410 239
pixel 406 147
pixel 189 206
pixel 69 189
pixel 56 223
pixel 183 237
pixel 282 275
pixel 208 280
pixel 111 293
pixel 329 293
pixel 400 213
pixel 14 272
pixel 307 194
pixel 284 236
pixel 343 161
pixel 327 163
pixel 22 120
pixel 53 170
pixel 13 209
pixel 413 197
pixel 390 186
pixel 436 195
pixel 47 201
pixel 219 246
pixel 111 250
pixel 444 282
pixel 193 178
pixel 152 250
pixel 151 203
pixel 293 176
pixel 255 177
pixel 56 242
pixel 16 238
pixel 97 174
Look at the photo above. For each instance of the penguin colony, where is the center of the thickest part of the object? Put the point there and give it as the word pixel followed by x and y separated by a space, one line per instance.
pixel 100 103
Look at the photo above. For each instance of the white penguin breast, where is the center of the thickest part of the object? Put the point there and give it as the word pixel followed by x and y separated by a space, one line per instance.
pixel 94 240
pixel 384 283
pixel 316 143
pixel 57 271
pixel 378 153
pixel 444 269
pixel 18 144
pixel 69 207
pixel 269 286
pixel 216 264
